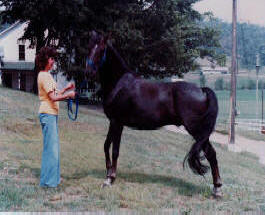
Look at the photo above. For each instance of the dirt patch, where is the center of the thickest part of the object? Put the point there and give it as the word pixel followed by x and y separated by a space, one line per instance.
pixel 23 128
pixel 82 127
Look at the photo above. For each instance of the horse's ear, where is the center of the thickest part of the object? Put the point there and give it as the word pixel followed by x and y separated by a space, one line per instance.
pixel 93 34
pixel 92 38
pixel 107 37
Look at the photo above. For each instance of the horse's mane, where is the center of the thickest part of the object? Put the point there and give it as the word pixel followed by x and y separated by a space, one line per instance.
pixel 122 61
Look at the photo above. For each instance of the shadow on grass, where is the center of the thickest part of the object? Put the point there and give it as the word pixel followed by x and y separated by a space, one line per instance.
pixel 183 187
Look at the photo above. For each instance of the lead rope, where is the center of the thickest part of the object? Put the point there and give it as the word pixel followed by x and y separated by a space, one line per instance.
pixel 71 115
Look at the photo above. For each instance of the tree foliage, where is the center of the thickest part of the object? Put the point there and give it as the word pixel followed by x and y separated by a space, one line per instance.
pixel 219 84
pixel 157 38
pixel 250 42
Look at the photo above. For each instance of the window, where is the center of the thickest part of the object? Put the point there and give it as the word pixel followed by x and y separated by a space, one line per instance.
pixel 21 52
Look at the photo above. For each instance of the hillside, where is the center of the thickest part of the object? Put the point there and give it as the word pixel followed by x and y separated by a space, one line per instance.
pixel 150 174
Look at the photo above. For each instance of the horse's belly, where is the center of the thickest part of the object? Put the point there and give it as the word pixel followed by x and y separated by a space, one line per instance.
pixel 147 120
pixel 142 124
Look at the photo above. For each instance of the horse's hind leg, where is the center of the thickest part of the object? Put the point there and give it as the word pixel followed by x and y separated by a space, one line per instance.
pixel 210 155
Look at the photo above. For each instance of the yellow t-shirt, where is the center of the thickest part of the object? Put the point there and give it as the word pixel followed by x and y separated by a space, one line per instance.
pixel 47 84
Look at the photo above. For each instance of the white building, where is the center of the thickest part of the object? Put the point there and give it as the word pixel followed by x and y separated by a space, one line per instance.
pixel 207 67
pixel 215 70
pixel 18 58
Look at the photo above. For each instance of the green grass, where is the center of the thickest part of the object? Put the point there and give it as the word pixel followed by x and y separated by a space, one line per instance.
pixel 150 174
pixel 246 104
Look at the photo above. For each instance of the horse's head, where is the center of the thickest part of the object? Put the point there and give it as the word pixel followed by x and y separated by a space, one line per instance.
pixel 97 46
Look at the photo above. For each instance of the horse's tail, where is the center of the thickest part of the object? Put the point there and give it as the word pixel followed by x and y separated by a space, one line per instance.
pixel 203 130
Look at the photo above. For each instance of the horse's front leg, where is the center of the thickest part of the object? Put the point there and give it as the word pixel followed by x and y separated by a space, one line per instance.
pixel 114 136
pixel 107 144
pixel 116 151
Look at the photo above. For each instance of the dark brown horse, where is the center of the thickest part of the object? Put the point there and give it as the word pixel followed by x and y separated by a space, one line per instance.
pixel 129 100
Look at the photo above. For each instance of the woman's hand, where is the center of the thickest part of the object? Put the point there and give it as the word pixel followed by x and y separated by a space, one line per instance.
pixel 71 94
pixel 70 86
pixel 60 97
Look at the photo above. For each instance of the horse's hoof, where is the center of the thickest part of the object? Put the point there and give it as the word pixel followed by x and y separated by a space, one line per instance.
pixel 107 183
pixel 217 192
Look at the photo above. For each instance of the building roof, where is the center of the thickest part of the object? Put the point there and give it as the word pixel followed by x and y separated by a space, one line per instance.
pixel 204 62
pixel 4 26
pixel 10 29
pixel 217 68
pixel 21 65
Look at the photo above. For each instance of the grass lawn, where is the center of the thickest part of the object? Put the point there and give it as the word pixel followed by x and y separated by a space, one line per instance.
pixel 150 174
pixel 246 104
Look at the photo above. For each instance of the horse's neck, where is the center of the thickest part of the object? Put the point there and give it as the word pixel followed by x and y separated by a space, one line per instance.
pixel 112 70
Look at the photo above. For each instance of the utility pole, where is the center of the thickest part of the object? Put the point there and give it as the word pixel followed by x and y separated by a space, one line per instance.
pixel 1 62
pixel 257 85
pixel 233 77
pixel 262 108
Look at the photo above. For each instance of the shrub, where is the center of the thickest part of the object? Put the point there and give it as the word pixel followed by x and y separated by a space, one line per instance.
pixel 219 84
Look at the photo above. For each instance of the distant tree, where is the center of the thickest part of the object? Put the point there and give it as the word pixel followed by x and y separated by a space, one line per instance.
pixel 251 84
pixel 227 85
pixel 202 80
pixel 250 42
pixel 219 84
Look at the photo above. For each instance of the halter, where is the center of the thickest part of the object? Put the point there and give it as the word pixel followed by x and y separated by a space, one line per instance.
pixel 89 62
pixel 103 59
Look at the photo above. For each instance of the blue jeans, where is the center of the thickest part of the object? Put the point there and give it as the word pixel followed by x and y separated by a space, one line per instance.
pixel 50 164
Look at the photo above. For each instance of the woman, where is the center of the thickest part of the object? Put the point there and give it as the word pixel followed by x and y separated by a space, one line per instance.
pixel 48 114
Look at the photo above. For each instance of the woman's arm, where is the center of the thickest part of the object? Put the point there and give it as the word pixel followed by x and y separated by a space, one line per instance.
pixel 59 97
pixel 70 86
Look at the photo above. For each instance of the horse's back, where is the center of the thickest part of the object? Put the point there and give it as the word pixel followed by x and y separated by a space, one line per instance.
pixel 189 91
